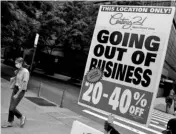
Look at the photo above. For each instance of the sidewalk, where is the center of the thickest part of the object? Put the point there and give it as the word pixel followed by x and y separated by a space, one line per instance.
pixel 40 120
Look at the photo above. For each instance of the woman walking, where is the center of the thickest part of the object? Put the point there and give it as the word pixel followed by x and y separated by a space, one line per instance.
pixel 19 86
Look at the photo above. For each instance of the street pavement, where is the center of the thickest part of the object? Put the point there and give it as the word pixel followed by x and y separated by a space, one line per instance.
pixel 40 120
pixel 53 92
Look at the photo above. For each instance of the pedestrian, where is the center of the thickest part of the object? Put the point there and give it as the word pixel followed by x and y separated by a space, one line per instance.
pixel 19 86
pixel 169 100
pixel 171 127
pixel 109 126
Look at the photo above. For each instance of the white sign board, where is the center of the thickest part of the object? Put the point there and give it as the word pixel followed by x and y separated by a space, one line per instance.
pixel 126 59
pixel 36 40
pixel 80 128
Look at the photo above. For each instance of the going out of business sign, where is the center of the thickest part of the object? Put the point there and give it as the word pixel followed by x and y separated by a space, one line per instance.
pixel 125 60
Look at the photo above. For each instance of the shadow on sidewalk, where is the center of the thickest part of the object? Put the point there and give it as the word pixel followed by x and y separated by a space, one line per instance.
pixel 40 101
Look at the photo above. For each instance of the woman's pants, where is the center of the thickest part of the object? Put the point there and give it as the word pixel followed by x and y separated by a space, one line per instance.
pixel 13 104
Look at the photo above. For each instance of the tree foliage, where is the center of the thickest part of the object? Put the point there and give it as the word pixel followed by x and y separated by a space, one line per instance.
pixel 71 23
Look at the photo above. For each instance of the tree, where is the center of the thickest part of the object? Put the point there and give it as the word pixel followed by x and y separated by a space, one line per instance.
pixel 20 22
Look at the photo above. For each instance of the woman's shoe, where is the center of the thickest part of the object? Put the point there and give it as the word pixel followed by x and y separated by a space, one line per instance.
pixel 22 122
pixel 9 124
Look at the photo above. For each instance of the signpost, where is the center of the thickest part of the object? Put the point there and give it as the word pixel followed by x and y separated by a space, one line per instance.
pixel 35 47
pixel 125 60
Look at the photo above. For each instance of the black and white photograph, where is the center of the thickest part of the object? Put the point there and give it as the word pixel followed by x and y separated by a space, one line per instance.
pixel 88 67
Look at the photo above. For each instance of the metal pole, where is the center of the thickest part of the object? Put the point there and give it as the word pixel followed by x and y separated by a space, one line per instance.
pixel 35 47
pixel 61 104
pixel 39 91
pixel 32 59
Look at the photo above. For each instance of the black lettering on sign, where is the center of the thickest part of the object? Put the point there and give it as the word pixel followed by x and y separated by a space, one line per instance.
pixel 125 40
pixel 109 54
pixel 121 71
pixel 129 74
pixel 101 64
pixel 93 63
pixel 108 8
pixel 114 70
pixel 98 50
pixel 152 43
pixel 137 73
pixel 146 76
pixel 135 41
pixel 102 36
pixel 138 41
pixel 121 52
pixel 137 57
pixel 108 69
pixel 116 38
pixel 150 57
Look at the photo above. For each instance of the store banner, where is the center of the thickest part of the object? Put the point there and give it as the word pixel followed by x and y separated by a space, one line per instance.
pixel 126 59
